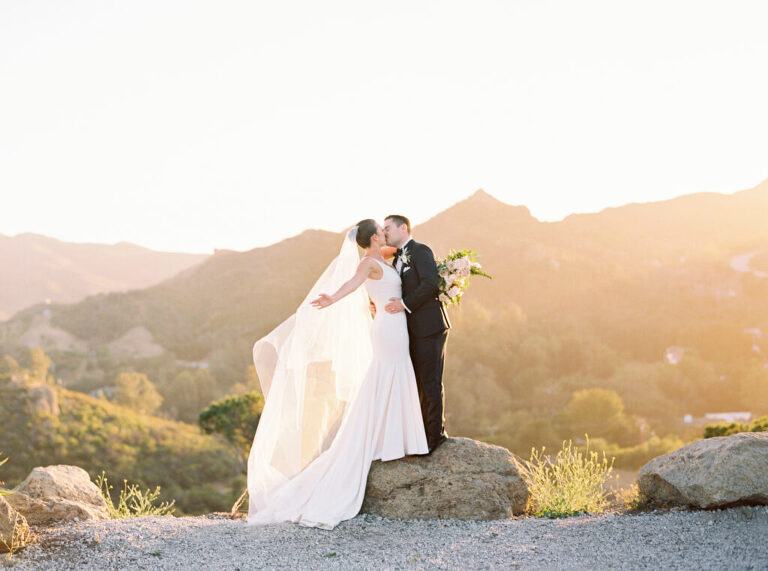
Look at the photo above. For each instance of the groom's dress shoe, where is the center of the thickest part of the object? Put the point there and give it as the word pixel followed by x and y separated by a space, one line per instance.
pixel 443 438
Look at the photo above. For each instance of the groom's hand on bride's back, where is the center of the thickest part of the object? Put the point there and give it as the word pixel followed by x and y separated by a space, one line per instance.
pixel 395 305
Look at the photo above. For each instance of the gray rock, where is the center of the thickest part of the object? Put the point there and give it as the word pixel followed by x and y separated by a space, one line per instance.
pixel 14 530
pixel 462 479
pixel 58 493
pixel 710 473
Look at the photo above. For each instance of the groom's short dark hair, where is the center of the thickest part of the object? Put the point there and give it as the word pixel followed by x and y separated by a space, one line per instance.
pixel 399 220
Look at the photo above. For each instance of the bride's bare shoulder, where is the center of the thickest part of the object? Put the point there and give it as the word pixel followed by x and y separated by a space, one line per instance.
pixel 371 265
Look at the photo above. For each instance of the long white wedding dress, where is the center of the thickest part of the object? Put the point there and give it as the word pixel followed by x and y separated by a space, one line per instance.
pixel 313 469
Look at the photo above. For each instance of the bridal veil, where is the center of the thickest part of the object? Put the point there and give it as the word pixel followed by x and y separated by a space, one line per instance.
pixel 309 368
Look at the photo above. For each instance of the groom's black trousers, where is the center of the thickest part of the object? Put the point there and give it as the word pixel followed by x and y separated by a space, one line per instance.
pixel 428 357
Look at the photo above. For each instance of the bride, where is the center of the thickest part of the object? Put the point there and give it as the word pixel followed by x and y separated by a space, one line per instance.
pixel 340 392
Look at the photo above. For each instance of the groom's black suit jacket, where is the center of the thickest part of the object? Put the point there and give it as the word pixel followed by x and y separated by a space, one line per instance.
pixel 420 290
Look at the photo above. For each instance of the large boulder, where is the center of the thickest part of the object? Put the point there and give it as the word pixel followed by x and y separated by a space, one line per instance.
pixel 14 530
pixel 58 493
pixel 710 473
pixel 462 479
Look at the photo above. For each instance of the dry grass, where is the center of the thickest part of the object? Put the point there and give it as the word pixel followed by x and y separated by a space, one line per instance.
pixel 571 483
pixel 20 533
pixel 133 502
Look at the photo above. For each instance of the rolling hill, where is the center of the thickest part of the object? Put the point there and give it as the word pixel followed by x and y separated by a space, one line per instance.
pixel 36 268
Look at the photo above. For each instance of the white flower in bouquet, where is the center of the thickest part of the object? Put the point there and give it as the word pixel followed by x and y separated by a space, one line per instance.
pixel 453 292
pixel 463 264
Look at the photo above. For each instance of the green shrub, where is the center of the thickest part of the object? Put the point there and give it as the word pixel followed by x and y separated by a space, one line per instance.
pixel 235 418
pixel 728 428
pixel 632 457
pixel 600 412
pixel 571 483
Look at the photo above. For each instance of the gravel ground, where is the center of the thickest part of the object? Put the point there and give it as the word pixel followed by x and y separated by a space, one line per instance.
pixel 735 538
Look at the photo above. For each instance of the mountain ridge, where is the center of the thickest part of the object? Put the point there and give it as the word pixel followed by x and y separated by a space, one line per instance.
pixel 540 266
pixel 42 267
pixel 36 236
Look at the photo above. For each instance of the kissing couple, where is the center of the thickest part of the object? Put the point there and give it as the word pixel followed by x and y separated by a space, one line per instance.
pixel 343 389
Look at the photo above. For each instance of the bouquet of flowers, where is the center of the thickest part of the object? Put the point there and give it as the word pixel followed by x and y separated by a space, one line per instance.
pixel 454 271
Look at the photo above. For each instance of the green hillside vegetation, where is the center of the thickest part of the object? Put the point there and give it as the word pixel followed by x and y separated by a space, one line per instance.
pixel 728 428
pixel 524 387
pixel 200 472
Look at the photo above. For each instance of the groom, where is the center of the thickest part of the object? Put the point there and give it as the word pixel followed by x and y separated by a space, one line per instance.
pixel 428 322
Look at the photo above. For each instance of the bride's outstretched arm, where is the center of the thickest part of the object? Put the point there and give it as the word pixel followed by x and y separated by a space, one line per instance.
pixel 362 273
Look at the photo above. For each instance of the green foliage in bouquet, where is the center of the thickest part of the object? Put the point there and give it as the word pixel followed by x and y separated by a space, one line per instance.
pixel 454 272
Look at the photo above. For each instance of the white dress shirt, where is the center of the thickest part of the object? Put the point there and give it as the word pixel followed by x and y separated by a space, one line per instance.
pixel 398 267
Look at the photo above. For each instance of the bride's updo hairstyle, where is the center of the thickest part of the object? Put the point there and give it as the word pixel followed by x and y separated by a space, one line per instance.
pixel 365 229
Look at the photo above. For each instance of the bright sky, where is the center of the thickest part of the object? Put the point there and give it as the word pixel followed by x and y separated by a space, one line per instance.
pixel 192 125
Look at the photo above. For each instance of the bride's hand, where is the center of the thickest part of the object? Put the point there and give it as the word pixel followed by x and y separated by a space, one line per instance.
pixel 323 301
